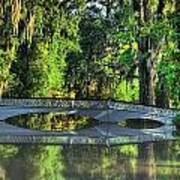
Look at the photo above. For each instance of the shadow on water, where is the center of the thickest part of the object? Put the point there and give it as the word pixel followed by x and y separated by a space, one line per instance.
pixel 141 123
pixel 146 161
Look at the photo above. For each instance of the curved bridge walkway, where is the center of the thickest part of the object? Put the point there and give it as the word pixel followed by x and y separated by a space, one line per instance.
pixel 109 113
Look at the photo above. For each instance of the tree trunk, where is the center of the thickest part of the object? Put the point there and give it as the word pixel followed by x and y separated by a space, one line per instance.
pixel 162 95
pixel 146 74
pixel 146 61
pixel 1 89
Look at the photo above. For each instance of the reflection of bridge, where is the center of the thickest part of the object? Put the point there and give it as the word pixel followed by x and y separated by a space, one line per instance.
pixel 106 133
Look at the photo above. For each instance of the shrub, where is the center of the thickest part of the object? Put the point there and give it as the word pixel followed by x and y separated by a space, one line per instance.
pixel 176 121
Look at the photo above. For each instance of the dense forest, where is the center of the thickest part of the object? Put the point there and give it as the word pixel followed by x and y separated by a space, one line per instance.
pixel 94 49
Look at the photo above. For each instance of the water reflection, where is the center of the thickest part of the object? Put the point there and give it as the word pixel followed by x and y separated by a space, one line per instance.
pixel 52 121
pixel 140 123
pixel 146 161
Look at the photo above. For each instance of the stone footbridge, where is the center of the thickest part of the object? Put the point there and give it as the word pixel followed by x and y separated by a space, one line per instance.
pixel 108 113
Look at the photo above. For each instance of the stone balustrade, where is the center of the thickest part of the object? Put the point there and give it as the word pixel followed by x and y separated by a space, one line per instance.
pixel 136 107
pixel 54 103
pixel 84 104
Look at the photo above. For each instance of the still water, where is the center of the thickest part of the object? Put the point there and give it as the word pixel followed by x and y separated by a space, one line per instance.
pixel 137 162
pixel 52 121
pixel 67 122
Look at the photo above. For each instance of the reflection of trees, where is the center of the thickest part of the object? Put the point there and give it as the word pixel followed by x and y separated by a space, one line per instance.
pixel 37 163
pixel 52 122
pixel 2 173
pixel 167 157
pixel 71 162
pixel 145 161
pixel 159 161
pixel 99 162
pixel 6 152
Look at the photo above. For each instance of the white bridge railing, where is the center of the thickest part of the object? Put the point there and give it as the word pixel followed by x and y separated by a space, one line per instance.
pixel 84 104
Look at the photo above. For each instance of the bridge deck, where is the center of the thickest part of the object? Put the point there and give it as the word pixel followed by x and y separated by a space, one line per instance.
pixel 106 133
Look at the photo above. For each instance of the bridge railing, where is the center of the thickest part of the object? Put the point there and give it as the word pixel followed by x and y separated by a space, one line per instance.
pixel 54 103
pixel 83 104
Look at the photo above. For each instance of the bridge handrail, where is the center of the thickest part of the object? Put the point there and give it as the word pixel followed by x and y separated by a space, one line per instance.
pixel 89 104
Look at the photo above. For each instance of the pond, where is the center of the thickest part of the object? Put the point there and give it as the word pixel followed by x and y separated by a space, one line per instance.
pixel 67 121
pixel 62 121
pixel 140 123
pixel 139 161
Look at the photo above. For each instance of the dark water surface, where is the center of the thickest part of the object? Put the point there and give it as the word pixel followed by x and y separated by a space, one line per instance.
pixel 140 123
pixel 140 162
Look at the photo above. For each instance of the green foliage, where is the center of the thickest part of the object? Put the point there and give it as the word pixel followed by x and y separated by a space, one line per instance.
pixel 80 49
pixel 156 29
pixel 126 39
pixel 170 73
pixel 128 91
pixel 176 121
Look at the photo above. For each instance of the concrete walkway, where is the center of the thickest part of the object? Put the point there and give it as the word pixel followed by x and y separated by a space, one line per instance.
pixel 106 133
